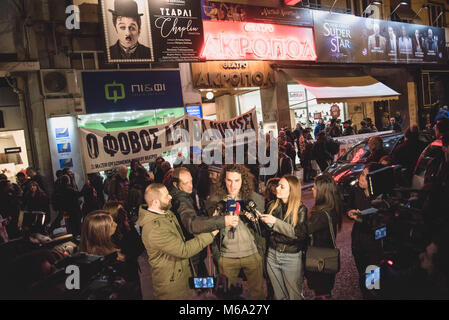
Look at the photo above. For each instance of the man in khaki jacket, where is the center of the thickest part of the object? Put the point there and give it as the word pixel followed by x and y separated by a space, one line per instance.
pixel 167 249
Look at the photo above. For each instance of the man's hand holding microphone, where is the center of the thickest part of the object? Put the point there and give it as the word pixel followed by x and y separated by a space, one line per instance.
pixel 231 221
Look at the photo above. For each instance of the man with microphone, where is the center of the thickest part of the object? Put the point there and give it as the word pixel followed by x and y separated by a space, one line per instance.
pixel 188 212
pixel 241 247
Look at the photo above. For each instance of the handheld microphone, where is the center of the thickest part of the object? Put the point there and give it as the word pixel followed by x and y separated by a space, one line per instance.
pixel 252 207
pixel 232 207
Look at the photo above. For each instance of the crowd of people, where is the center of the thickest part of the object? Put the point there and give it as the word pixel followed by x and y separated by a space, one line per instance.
pixel 180 215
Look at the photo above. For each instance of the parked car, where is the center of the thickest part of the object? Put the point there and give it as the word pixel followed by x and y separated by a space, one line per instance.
pixel 347 168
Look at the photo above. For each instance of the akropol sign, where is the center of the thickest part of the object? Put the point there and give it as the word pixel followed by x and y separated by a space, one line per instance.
pixel 257 41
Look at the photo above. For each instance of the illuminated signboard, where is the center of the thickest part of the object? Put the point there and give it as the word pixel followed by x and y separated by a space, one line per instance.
pixel 256 41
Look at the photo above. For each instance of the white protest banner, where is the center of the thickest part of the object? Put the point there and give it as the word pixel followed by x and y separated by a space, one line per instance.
pixel 103 150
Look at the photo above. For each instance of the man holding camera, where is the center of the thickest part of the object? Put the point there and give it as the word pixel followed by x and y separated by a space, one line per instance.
pixel 242 247
pixel 168 252
pixel 189 216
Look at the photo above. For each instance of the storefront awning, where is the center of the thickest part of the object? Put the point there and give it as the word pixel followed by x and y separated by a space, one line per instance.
pixel 331 86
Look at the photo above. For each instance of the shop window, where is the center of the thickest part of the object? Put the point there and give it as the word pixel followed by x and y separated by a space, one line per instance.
pixel 13 156
pixel 84 60
pixel 340 6
pixel 437 16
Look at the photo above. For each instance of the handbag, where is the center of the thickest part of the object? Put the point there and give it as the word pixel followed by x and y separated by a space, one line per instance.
pixel 323 260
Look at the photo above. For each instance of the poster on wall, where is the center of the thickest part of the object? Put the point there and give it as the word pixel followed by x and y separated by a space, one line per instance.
pixel 115 91
pixel 127 31
pixel 103 150
pixel 177 29
pixel 64 146
pixel 222 11
pixel 343 38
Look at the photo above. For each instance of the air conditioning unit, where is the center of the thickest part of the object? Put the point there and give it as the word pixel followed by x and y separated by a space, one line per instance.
pixel 59 82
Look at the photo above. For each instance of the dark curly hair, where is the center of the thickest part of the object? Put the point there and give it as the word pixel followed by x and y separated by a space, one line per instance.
pixel 247 181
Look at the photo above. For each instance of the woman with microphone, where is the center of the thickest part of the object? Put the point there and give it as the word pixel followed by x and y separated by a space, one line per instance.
pixel 286 216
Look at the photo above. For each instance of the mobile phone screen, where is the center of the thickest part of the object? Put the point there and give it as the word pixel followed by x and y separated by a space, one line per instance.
pixel 381 233
pixel 200 283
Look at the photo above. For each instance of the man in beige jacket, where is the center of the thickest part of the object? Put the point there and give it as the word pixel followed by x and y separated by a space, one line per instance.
pixel 167 249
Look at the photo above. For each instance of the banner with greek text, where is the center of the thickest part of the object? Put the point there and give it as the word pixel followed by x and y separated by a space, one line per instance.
pixel 104 150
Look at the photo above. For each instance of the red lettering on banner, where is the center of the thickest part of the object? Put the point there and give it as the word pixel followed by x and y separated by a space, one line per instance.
pixel 257 41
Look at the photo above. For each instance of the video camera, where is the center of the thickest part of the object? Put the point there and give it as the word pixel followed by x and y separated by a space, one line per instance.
pixel 99 279
pixel 396 219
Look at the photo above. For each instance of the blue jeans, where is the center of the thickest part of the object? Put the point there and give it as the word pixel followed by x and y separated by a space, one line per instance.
pixel 286 274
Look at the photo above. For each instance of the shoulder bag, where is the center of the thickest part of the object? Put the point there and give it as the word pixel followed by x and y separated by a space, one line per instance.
pixel 323 260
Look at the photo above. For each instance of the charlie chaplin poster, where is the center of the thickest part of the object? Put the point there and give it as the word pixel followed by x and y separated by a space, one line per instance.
pixel 127 31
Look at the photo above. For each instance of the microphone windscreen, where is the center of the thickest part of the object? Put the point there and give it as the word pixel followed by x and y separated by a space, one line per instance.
pixel 237 208
pixel 231 205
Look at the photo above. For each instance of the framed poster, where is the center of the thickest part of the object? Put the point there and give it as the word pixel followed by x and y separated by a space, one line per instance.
pixel 177 29
pixel 127 31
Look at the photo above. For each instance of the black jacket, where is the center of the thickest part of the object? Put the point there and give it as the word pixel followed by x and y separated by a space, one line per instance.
pixel 68 199
pixel 376 155
pixel 407 154
pixel 283 235
pixel 142 52
pixel 362 235
pixel 318 228
pixel 38 202
pixel 348 131
pixel 285 165
pixel 188 216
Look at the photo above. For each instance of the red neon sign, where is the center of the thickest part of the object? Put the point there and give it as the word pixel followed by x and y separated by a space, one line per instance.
pixel 256 41
pixel 291 2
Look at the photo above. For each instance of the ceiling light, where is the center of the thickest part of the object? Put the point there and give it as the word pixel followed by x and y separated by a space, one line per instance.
pixel 210 95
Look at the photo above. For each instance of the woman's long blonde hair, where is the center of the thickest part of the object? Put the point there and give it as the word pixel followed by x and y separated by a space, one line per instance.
pixel 294 199
pixel 96 234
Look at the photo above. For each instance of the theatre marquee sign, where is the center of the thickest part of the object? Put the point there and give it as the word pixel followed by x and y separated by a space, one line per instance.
pixel 257 41
pixel 232 74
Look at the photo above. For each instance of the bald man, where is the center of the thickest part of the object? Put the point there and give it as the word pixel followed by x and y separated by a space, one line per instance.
pixel 168 252
pixel 186 207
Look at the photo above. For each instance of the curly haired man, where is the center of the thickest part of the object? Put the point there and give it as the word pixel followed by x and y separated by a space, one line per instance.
pixel 245 249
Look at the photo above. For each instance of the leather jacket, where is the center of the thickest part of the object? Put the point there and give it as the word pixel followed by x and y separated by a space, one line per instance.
pixel 284 237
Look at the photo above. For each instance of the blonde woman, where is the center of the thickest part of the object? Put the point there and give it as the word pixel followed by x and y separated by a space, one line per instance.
pixel 286 216
pixel 96 234
pixel 96 238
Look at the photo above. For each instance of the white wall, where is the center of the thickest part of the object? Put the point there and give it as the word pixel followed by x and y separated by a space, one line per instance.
pixel 12 117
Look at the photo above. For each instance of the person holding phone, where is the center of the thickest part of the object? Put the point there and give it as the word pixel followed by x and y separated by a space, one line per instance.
pixel 365 249
pixel 286 215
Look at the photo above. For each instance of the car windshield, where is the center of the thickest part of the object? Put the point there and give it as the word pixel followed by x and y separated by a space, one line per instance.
pixel 360 151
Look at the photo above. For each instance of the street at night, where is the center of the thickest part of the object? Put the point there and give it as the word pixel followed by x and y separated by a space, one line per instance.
pixel 200 152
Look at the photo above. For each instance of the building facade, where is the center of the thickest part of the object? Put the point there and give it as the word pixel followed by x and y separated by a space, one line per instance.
pixel 45 52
